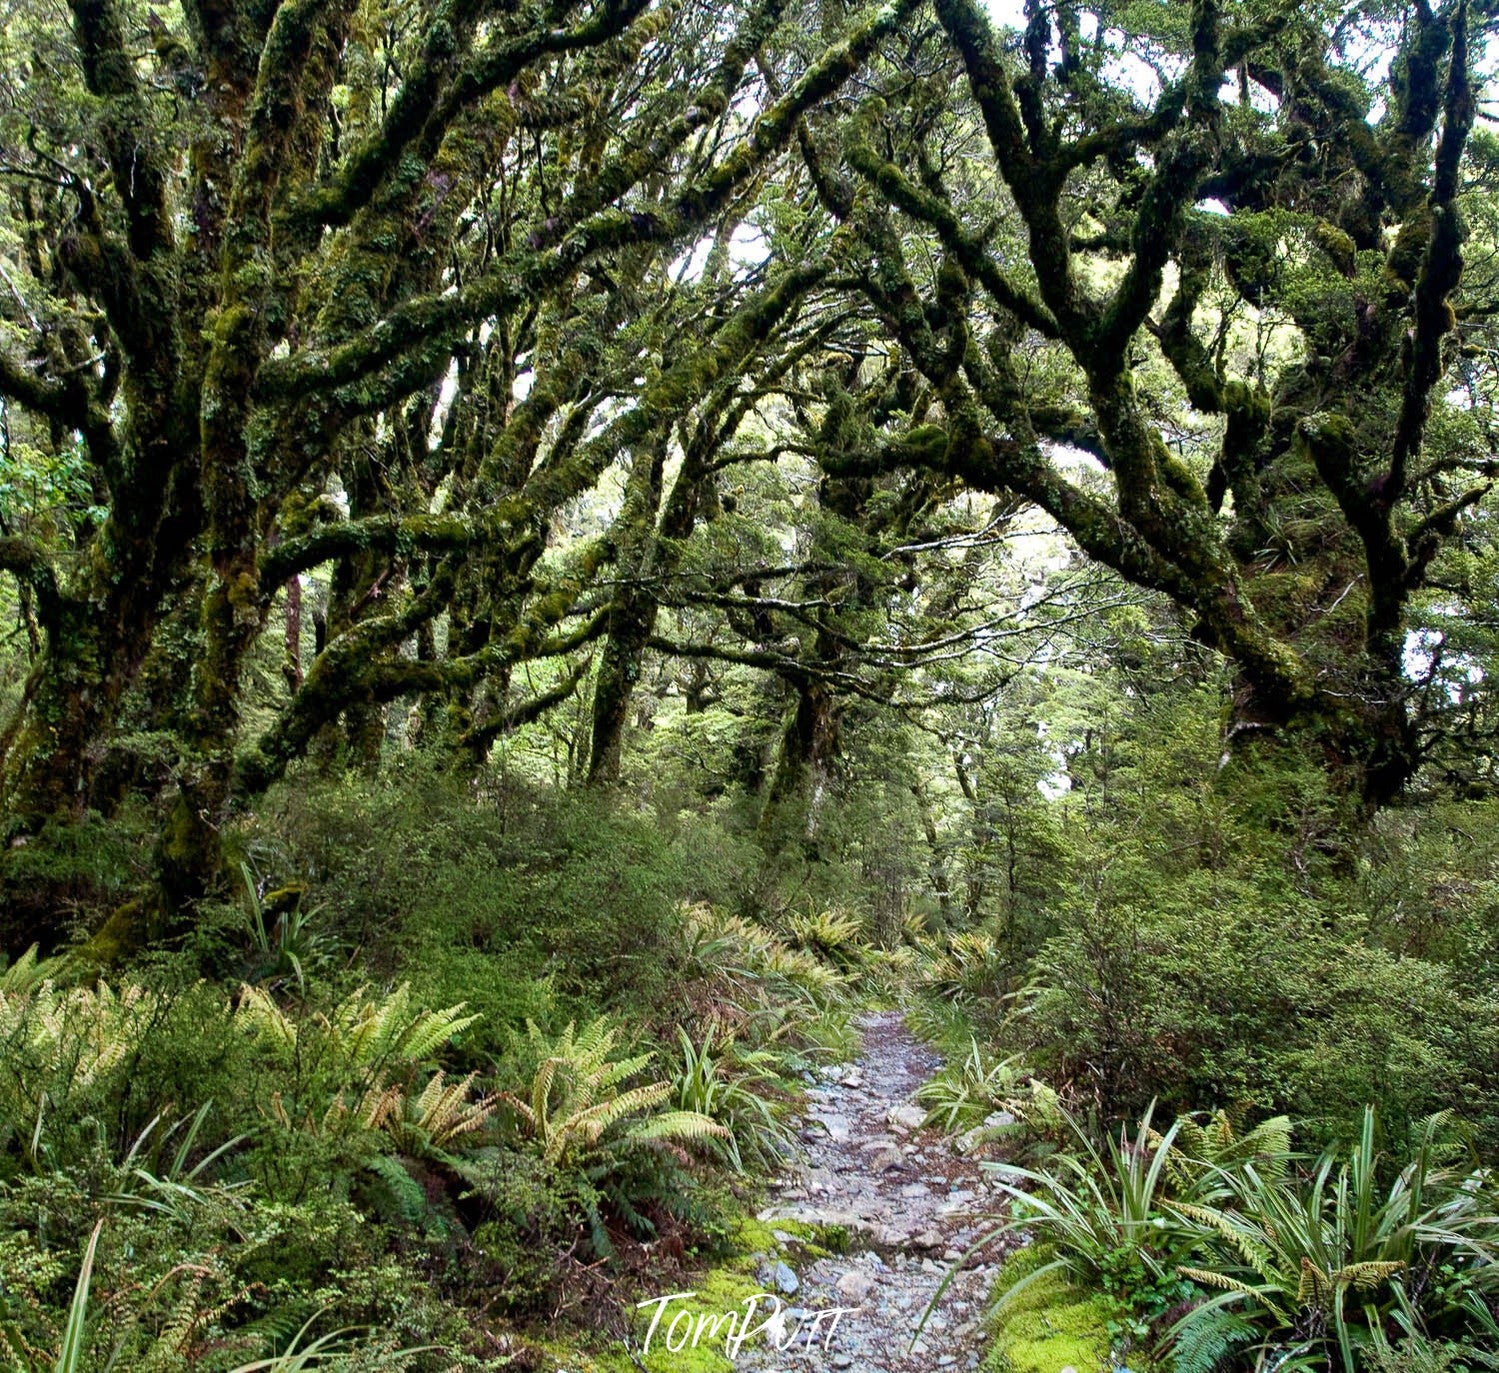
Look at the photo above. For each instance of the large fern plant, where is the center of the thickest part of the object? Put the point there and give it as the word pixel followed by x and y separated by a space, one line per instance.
pixel 60 1042
pixel 363 1031
pixel 1326 1260
pixel 579 1101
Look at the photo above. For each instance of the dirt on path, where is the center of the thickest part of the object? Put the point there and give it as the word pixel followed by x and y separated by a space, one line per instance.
pixel 911 1207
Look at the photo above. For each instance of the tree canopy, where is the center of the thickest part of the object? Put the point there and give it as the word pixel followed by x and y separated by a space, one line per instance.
pixel 581 339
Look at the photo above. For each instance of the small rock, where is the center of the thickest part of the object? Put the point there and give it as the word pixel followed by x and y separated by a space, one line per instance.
pixel 842 1360
pixel 836 1126
pixel 969 1140
pixel 904 1119
pixel 787 1282
pixel 855 1286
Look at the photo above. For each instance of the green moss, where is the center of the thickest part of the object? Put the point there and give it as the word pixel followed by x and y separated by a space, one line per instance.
pixel 120 936
pixel 1048 1325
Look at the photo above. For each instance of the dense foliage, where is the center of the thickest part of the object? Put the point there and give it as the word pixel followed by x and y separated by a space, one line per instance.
pixel 556 551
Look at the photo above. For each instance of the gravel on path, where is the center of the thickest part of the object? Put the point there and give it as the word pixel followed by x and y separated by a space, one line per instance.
pixel 911 1208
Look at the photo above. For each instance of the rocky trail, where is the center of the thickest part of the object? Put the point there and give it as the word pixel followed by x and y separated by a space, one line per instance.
pixel 911 1207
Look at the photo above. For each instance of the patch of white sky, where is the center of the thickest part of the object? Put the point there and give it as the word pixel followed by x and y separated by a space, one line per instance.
pixel 1426 652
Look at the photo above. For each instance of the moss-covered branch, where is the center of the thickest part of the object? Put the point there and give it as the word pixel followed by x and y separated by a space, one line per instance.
pixel 969 251
pixel 389 534
pixel 33 568
pixel 525 273
pixel 520 713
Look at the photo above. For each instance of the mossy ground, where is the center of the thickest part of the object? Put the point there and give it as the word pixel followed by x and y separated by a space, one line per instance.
pixel 1048 1325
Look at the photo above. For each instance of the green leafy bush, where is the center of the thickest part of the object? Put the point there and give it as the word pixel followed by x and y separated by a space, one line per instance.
pixel 740 1090
pixel 974 1087
pixel 1205 1240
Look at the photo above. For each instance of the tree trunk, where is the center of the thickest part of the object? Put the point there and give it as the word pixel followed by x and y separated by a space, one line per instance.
pixel 937 855
pixel 804 770
pixel 632 617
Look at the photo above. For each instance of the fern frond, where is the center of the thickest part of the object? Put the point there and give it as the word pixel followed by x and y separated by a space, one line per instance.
pixel 1314 1288
pixel 1366 1276
pixel 410 1201
pixel 600 1116
pixel 444 1112
pixel 686 1125
pixel 621 1071
pixel 522 1109
pixel 261 1014
pixel 380 1105
pixel 26 973
pixel 1209 1277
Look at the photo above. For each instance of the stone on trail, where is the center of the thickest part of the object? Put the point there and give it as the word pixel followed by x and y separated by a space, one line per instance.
pixel 904 1119
pixel 855 1286
pixel 835 1125
pixel 970 1140
pixel 786 1280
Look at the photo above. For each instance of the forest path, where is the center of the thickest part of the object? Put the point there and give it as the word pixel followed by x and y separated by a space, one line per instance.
pixel 911 1207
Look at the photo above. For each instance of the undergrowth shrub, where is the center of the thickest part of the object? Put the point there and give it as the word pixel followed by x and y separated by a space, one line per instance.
pixel 1217 1245
pixel 525 903
pixel 1285 1006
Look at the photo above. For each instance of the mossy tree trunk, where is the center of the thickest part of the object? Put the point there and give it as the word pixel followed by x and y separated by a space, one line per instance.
pixel 224 285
